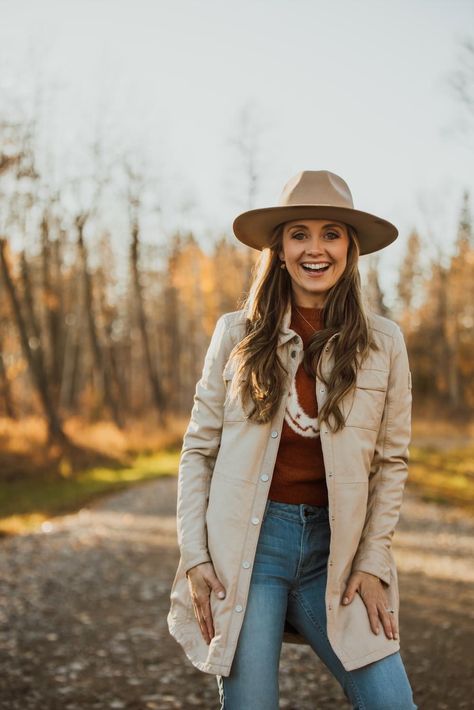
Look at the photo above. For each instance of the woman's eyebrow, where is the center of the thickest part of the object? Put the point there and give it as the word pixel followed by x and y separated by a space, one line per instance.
pixel 328 224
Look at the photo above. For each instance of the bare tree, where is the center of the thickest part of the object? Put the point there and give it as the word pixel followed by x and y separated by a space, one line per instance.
pixel 5 386
pixel 460 84
pixel 135 187
pixel 94 340
pixel 247 142
pixel 373 293
pixel 31 351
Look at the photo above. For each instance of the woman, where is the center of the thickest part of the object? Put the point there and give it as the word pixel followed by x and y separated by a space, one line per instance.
pixel 294 463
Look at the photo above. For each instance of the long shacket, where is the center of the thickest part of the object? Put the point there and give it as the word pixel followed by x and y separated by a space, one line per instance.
pixel 225 471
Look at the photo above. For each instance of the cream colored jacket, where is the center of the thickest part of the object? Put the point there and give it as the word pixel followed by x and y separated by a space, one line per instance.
pixel 225 472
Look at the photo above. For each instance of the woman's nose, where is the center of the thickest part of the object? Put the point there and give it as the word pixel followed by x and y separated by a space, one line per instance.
pixel 315 248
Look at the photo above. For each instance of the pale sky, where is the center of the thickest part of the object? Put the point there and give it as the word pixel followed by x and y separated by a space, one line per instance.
pixel 357 88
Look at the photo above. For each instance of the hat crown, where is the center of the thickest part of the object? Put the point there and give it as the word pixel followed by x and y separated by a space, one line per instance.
pixel 316 187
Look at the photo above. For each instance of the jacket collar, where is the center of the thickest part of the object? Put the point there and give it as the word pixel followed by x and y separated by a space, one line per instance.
pixel 286 333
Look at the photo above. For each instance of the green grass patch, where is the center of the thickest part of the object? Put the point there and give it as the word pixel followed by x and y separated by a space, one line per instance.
pixel 25 502
pixel 445 476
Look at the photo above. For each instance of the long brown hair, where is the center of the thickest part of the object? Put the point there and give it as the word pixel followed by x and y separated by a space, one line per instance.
pixel 261 377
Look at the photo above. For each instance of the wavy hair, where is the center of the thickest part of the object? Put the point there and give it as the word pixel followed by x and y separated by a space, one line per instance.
pixel 261 377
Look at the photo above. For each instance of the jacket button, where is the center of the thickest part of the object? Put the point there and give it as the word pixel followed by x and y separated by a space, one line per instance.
pixel 293 353
pixel 331 563
pixel 255 521
pixel 239 607
pixel 274 434
pixel 322 389
pixel 330 474
pixel 329 607
pixel 245 564
pixel 264 477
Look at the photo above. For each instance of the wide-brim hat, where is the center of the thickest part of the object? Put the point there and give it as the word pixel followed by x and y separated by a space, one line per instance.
pixel 314 194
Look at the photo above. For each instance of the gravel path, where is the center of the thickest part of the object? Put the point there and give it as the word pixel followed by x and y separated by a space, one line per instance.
pixel 83 607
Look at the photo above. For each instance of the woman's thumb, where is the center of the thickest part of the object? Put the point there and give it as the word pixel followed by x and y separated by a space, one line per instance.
pixel 218 588
pixel 348 594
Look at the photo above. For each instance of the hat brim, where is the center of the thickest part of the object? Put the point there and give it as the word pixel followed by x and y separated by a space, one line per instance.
pixel 255 227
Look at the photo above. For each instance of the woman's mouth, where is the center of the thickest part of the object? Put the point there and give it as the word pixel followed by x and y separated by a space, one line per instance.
pixel 315 270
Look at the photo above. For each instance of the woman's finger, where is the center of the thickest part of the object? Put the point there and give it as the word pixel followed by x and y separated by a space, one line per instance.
pixel 373 616
pixel 201 622
pixel 386 619
pixel 394 625
pixel 207 614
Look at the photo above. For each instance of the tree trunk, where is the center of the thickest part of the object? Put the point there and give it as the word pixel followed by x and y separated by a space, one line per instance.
pixel 33 357
pixel 52 300
pixel 155 386
pixel 92 328
pixel 5 386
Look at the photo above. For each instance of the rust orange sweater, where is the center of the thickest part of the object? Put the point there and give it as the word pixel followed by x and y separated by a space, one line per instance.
pixel 299 475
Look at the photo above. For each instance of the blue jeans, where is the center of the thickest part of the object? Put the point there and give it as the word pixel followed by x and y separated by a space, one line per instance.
pixel 289 579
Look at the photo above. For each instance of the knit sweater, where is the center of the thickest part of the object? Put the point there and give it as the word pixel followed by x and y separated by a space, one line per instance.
pixel 299 475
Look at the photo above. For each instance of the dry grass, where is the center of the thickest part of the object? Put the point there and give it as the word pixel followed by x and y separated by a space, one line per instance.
pixel 23 449
pixel 38 481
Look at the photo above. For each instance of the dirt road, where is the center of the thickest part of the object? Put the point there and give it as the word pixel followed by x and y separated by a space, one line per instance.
pixel 83 607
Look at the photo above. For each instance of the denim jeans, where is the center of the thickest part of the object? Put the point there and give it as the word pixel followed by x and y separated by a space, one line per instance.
pixel 289 579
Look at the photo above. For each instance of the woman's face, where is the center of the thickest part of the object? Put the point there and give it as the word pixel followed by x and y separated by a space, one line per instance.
pixel 308 243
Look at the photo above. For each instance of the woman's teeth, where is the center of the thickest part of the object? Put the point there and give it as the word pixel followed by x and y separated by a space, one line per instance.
pixel 315 268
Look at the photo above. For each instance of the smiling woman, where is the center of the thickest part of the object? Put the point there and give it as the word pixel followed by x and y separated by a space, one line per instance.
pixel 315 255
pixel 301 421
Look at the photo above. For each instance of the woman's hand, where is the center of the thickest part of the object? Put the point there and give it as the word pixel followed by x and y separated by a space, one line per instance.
pixel 370 588
pixel 202 580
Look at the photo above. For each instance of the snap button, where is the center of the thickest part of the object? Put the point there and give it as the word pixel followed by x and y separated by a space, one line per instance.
pixel 239 607
pixel 245 564
pixel 255 521
pixel 274 434
pixel 264 477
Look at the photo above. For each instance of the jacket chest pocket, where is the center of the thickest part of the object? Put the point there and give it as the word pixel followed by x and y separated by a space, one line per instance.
pixel 368 399
pixel 233 410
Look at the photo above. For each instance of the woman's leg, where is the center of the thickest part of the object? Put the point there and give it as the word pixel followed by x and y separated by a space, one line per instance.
pixel 381 685
pixel 253 679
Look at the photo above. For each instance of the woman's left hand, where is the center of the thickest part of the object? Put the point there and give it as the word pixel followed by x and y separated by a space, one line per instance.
pixel 370 588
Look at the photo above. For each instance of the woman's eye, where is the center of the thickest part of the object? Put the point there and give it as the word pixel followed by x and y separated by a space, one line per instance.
pixel 335 235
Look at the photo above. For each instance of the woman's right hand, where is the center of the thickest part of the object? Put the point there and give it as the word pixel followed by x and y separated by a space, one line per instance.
pixel 202 581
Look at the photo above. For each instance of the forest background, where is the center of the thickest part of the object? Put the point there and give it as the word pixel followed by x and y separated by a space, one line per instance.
pixel 100 352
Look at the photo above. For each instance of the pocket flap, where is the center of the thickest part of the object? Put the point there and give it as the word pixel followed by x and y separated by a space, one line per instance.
pixel 372 379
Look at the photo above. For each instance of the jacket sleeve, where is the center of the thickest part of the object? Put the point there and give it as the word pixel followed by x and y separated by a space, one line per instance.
pixel 389 469
pixel 199 450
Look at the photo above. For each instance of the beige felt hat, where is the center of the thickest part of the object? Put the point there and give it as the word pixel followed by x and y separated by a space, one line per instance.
pixel 314 194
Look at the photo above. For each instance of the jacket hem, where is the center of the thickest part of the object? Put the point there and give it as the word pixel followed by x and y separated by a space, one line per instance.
pixel 204 666
pixel 362 661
